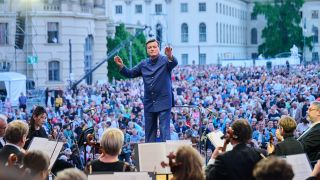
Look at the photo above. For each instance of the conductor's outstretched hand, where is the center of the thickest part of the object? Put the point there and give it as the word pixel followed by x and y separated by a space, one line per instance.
pixel 168 52
pixel 118 61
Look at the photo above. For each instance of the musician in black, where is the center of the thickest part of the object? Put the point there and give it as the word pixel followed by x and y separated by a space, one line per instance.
pixel 16 135
pixel 288 145
pixel 238 163
pixel 111 144
pixel 37 120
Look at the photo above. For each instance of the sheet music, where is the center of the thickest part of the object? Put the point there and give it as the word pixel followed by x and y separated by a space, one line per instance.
pixel 47 147
pixel 215 139
pixel 173 145
pixel 300 165
pixel 121 176
pixel 150 157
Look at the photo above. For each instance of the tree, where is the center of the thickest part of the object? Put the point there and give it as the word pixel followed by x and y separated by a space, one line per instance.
pixel 283 28
pixel 138 51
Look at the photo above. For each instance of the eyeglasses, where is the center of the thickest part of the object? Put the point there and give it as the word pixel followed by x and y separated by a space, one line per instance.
pixel 3 127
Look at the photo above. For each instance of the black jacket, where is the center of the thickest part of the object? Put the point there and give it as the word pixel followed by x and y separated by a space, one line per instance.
pixel 236 164
pixel 289 146
pixel 311 142
pixel 7 150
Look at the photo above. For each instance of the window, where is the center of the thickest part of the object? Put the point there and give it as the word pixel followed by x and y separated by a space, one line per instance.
pixel 217 7
pixel 223 11
pixel 253 16
pixel 184 7
pixel 158 8
pixel 3 33
pixel 315 14
pixel 315 56
pixel 254 36
pixel 118 9
pixel 202 32
pixel 54 71
pixel 315 32
pixel 217 32
pixel 138 8
pixel 53 32
pixel 184 32
pixel 5 66
pixel 254 55
pixel 184 58
pixel 202 7
pixel 88 57
pixel 202 59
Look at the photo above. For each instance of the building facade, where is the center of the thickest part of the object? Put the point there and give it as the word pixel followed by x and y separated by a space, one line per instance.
pixel 37 36
pixel 207 31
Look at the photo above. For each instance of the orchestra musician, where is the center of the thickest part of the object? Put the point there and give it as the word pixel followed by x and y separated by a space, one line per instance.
pixel 36 164
pixel 310 139
pixel 3 126
pixel 284 133
pixel 238 163
pixel 16 136
pixel 111 144
pixel 38 118
pixel 187 165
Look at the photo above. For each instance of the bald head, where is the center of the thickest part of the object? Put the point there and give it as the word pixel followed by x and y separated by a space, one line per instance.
pixel 3 124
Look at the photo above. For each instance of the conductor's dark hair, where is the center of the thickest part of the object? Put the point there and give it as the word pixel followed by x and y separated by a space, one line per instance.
pixel 152 40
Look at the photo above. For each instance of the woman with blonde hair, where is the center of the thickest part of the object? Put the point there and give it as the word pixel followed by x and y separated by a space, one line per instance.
pixel 188 164
pixel 111 144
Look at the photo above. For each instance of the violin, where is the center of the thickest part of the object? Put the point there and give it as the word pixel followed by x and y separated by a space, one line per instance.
pixel 227 138
pixel 174 166
pixel 271 140
pixel 91 141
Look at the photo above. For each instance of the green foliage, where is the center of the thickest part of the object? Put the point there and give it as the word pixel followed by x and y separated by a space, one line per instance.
pixel 283 28
pixel 138 51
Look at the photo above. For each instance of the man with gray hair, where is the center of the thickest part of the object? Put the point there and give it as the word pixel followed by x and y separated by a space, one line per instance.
pixel 310 139
pixel 3 127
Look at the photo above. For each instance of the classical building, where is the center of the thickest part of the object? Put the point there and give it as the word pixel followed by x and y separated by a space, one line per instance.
pixel 207 31
pixel 36 36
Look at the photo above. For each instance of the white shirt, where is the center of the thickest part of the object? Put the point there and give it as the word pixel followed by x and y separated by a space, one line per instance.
pixel 2 141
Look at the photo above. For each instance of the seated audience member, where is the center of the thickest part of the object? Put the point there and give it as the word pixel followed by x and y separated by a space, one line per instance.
pixel 238 163
pixel 71 173
pixel 189 164
pixel 36 164
pixel 111 144
pixel 16 135
pixel 288 145
pixel 273 168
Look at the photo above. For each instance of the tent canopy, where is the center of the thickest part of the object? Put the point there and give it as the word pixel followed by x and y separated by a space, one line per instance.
pixel 15 84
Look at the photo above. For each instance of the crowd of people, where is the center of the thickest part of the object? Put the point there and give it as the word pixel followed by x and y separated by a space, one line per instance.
pixel 207 98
